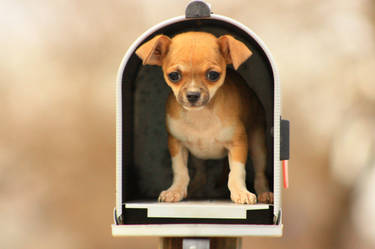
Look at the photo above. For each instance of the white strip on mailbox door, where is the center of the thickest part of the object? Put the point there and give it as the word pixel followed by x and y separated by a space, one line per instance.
pixel 197 209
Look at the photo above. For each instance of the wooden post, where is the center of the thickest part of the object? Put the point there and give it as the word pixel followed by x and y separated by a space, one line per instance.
pixel 170 243
pixel 215 243
pixel 225 243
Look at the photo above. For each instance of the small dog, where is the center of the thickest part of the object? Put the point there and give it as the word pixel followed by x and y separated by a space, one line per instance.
pixel 210 112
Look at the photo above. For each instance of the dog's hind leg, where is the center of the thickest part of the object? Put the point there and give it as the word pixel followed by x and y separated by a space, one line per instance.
pixel 258 154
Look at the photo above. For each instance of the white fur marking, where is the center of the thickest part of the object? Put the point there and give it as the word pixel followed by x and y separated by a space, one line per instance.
pixel 202 133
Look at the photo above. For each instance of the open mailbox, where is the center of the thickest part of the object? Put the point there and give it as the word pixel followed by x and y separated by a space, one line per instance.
pixel 143 167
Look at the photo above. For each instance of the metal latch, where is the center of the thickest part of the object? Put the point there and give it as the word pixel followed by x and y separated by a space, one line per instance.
pixel 198 9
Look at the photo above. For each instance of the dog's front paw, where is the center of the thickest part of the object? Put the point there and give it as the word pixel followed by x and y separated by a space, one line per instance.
pixel 266 197
pixel 243 196
pixel 172 195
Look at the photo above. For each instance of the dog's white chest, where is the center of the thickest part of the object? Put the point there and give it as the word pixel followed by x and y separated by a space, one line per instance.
pixel 202 133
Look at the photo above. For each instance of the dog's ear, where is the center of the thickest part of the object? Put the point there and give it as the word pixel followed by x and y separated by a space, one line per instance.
pixel 234 51
pixel 153 51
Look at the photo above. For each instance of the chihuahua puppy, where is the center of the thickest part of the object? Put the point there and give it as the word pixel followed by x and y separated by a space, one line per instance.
pixel 210 112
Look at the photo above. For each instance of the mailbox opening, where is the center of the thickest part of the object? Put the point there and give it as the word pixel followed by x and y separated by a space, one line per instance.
pixel 143 161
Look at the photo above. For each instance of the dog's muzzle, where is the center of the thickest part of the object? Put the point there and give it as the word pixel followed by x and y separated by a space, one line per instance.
pixel 193 97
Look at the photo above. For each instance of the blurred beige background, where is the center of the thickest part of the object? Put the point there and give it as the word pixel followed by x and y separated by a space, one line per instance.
pixel 58 66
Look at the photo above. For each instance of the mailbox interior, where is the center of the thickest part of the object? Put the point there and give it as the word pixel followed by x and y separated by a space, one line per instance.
pixel 146 166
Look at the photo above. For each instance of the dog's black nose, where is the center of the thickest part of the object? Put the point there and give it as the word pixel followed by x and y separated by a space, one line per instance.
pixel 193 96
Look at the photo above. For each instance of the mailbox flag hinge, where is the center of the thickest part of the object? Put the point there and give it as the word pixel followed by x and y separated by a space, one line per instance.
pixel 284 139
pixel 284 149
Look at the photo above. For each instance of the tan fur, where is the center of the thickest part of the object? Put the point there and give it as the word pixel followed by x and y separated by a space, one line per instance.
pixel 227 119
pixel 234 51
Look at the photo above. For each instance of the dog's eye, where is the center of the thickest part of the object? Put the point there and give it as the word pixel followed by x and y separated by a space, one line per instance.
pixel 174 76
pixel 213 76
